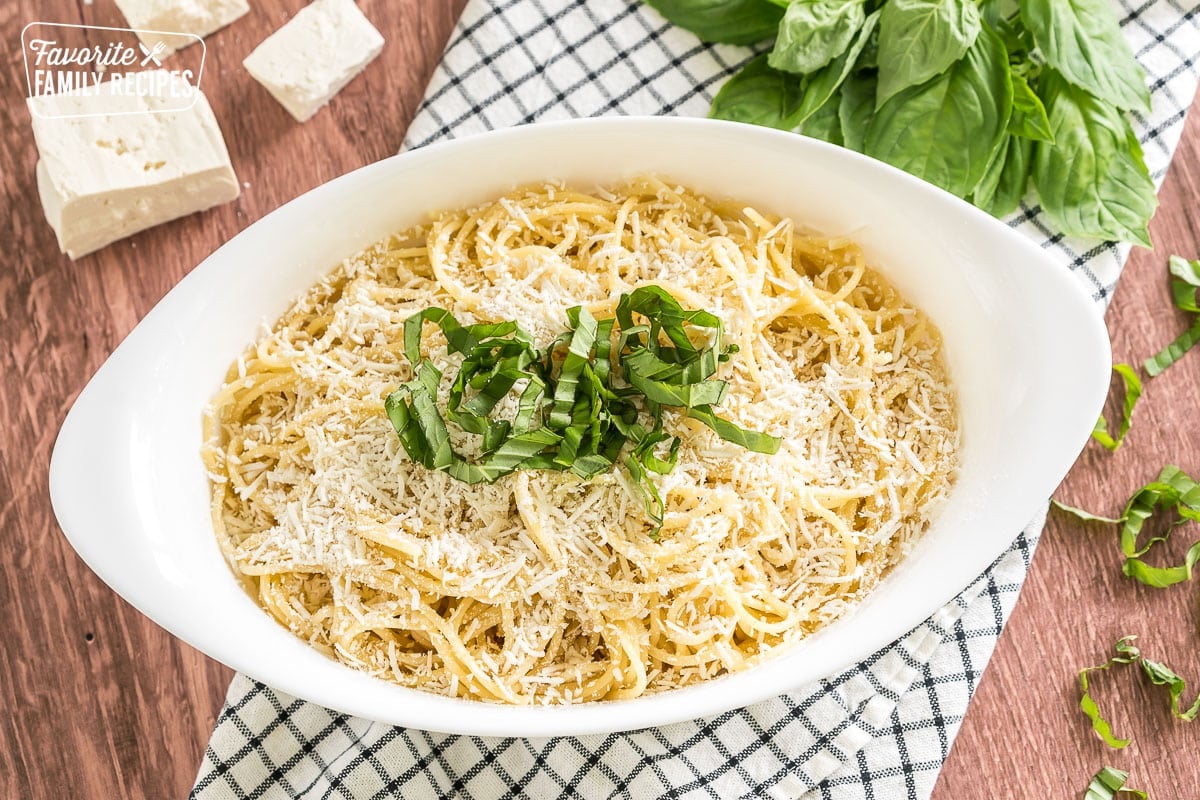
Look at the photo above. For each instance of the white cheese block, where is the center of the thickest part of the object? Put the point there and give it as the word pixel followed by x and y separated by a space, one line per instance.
pixel 318 51
pixel 199 17
pixel 122 170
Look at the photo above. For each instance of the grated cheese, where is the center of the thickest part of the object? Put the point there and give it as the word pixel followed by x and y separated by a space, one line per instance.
pixel 543 588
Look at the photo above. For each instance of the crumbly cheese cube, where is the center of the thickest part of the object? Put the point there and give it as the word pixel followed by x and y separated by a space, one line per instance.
pixel 123 169
pixel 318 51
pixel 199 17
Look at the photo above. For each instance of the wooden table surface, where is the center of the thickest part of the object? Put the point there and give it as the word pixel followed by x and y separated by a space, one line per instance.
pixel 98 702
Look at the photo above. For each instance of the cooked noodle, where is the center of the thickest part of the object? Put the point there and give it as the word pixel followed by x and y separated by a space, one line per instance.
pixel 542 587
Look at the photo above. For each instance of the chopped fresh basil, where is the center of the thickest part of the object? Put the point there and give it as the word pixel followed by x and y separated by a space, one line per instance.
pixel 760 95
pixel 1174 351
pixel 1126 653
pixel 1185 293
pixel 1159 674
pixel 1108 783
pixel 1133 390
pixel 820 86
pixel 581 400
pixel 1185 283
pixel 855 109
pixel 1029 118
pixel 1173 488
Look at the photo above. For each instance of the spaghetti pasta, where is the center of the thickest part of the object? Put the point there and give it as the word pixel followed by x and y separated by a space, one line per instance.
pixel 543 587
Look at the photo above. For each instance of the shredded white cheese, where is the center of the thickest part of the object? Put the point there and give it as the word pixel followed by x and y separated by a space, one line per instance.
pixel 541 587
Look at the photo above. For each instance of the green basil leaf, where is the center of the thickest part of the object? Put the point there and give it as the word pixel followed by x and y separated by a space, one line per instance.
pixel 514 453
pixel 417 421
pixel 1082 40
pixel 856 108
pixel 821 85
pixel 869 58
pixel 985 191
pixel 1029 114
pixel 1014 178
pixel 1127 653
pixel 579 352
pixel 824 123
pixel 1133 390
pixel 666 314
pixel 1173 489
pixel 647 492
pixel 755 441
pixel 1185 283
pixel 814 33
pixel 727 21
pixel 1091 181
pixel 947 130
pixel 672 393
pixel 1108 783
pixel 760 95
pixel 920 39
pixel 995 12
pixel 1006 179
pixel 1012 31
pixel 1185 293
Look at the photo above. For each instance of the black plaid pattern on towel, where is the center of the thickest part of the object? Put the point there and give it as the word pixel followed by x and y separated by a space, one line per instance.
pixel 880 729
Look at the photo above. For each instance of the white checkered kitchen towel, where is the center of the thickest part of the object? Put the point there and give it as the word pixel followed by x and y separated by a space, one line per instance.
pixel 881 729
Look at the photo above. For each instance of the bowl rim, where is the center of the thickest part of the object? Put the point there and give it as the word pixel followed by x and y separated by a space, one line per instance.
pixel 767 679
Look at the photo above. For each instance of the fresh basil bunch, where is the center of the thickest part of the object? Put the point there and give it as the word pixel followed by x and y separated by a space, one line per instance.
pixel 975 97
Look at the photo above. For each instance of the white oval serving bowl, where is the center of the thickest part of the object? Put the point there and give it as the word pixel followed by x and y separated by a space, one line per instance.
pixel 1025 346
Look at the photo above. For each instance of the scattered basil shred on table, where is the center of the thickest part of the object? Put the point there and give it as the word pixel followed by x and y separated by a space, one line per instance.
pixel 1133 391
pixel 1185 293
pixel 977 98
pixel 1126 653
pixel 1173 489
pixel 1108 784
pixel 1159 674
pixel 1162 675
